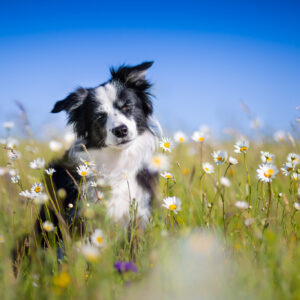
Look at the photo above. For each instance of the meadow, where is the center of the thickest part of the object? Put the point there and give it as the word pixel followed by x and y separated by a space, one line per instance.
pixel 225 225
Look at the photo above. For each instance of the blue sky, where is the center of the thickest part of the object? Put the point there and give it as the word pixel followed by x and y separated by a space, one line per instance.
pixel 209 56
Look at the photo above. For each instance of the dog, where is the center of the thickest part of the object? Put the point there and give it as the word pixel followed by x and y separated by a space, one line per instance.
pixel 117 136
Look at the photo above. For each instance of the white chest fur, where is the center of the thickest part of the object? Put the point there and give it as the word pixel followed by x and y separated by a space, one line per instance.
pixel 119 168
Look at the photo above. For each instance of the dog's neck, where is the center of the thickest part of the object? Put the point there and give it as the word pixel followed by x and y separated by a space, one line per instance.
pixel 111 163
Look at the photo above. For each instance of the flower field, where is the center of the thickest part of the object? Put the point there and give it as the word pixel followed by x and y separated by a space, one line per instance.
pixel 225 225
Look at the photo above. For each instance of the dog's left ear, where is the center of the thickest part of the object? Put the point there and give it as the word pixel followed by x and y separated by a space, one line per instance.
pixel 131 74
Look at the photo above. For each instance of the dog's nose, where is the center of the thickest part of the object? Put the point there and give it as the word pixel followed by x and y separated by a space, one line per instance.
pixel 120 131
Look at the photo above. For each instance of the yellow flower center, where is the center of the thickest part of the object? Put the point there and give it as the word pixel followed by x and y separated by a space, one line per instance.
pixel 201 139
pixel 185 171
pixel 269 159
pixel 206 169
pixel 167 145
pixel 168 176
pixel 172 206
pixel 219 158
pixel 63 280
pixel 244 148
pixel 47 227
pixel 156 161
pixel 37 189
pixel 99 239
pixel 181 139
pixel 269 173
pixel 83 173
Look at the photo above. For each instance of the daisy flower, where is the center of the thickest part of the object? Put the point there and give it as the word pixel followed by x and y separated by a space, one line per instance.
pixel 287 168
pixel 180 137
pixel 50 171
pixel 219 157
pixel 166 175
pixel 293 158
pixel 279 136
pixel 83 170
pixel 266 172
pixel 37 163
pixel 225 181
pixel 208 168
pixel 159 162
pixel 295 176
pixel 8 125
pixel 233 160
pixel 37 188
pixel 26 194
pixel 15 179
pixel 241 146
pixel 297 206
pixel 40 198
pixel 172 203
pixel 55 146
pixel 198 137
pixel 13 155
pixel 69 138
pixel 165 144
pixel 2 240
pixel 90 252
pixel 48 226
pixel 87 163
pixel 97 238
pixel 241 204
pixel 267 157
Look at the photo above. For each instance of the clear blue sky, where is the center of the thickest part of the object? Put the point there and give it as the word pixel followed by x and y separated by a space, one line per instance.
pixel 209 55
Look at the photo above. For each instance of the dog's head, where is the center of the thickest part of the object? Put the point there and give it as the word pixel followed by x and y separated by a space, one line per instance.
pixel 114 113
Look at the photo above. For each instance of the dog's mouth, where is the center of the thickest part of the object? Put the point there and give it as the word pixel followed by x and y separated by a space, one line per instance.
pixel 124 142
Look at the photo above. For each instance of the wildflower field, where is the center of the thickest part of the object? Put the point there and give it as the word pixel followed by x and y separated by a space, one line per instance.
pixel 225 225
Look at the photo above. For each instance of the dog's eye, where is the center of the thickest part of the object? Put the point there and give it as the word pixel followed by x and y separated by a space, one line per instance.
pixel 102 117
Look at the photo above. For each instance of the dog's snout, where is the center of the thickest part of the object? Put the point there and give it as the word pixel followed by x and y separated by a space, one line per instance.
pixel 120 131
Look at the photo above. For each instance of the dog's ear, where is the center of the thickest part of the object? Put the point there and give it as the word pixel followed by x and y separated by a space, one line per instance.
pixel 71 102
pixel 131 74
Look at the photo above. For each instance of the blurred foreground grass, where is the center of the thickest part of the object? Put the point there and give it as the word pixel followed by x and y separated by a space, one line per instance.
pixel 207 252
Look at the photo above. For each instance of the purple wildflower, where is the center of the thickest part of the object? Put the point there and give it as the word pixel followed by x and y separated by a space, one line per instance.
pixel 125 266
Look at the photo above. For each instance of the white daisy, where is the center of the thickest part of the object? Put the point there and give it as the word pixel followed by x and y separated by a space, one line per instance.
pixel 100 195
pixel 37 164
pixel 241 146
pixel 88 163
pixel 55 146
pixel 166 144
pixel 8 125
pixel 166 175
pixel 13 155
pixel 26 194
pixel 69 138
pixel 287 168
pixel 198 136
pixel 12 143
pixel 293 158
pixel 36 188
pixel 295 176
pixel 297 206
pixel 90 252
pixel 159 162
pixel 172 203
pixel 48 226
pixel 83 170
pixel 219 157
pixel 241 204
pixel 97 238
pixel 267 157
pixel 15 179
pixel 208 168
pixel 40 198
pixel 50 171
pixel 266 172
pixel 225 181
pixel 279 136
pixel 232 160
pixel 180 137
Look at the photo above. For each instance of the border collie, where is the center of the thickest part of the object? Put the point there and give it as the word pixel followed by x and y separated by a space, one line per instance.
pixel 116 131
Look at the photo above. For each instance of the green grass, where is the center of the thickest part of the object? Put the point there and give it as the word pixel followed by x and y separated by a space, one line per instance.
pixel 207 244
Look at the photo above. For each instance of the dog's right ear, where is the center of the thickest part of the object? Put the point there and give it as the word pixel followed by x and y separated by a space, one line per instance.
pixel 71 102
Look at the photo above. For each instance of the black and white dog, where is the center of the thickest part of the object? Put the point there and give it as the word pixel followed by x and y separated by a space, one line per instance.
pixel 115 124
